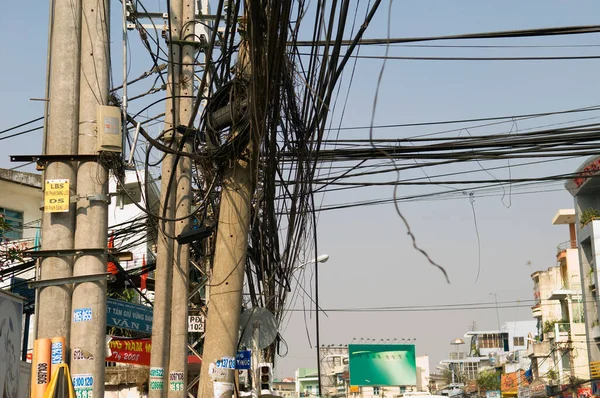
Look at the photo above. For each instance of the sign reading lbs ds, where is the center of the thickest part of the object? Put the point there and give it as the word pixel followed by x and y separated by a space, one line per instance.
pixel 56 196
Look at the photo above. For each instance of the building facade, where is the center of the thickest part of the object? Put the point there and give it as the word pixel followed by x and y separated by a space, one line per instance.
pixel 560 355
pixel 585 188
pixel 490 349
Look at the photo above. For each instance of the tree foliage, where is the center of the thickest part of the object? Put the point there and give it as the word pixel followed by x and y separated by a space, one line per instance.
pixel 488 380
pixel 459 376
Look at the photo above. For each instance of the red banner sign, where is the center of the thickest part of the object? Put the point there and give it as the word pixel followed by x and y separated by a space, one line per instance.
pixel 125 350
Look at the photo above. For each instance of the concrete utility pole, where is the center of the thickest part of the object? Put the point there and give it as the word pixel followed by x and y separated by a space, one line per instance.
pixel 182 191
pixel 223 318
pixel 54 303
pixel 161 322
pixel 88 333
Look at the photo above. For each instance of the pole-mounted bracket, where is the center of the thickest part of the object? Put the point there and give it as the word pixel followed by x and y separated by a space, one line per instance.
pixel 43 160
pixel 121 256
pixel 91 198
pixel 72 280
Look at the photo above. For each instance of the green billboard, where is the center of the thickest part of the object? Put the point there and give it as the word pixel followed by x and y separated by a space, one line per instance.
pixel 382 365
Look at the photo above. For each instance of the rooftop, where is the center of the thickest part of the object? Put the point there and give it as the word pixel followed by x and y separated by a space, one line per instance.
pixel 21 178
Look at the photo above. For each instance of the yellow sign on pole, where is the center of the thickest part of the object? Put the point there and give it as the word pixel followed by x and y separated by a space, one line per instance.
pixel 56 196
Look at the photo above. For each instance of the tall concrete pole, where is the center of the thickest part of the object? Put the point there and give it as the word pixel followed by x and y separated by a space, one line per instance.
pixel 54 303
pixel 226 282
pixel 183 193
pixel 88 326
pixel 161 320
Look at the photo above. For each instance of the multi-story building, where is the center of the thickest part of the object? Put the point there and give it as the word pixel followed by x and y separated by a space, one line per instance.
pixel 20 203
pixel 492 349
pixel 560 355
pixel 585 188
pixel 285 387
pixel 307 382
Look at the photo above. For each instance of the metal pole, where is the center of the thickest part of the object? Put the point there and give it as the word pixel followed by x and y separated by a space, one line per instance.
pixel 317 337
pixel 223 319
pixel 88 326
pixel 183 19
pixel 161 322
pixel 54 303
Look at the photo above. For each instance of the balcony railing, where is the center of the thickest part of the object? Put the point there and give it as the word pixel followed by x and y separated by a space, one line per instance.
pixel 457 355
pixel 569 244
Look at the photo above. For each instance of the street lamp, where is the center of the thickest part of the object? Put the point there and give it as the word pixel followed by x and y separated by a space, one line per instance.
pixel 320 259
pixel 457 342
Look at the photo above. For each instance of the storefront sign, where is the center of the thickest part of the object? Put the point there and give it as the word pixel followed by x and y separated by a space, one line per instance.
pixel 130 316
pixel 492 394
pixel 136 352
pixel 584 392
pixel 509 383
pixel 537 389
pixel 595 369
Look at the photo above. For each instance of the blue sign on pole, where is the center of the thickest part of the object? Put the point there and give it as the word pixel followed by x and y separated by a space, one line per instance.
pixel 130 316
pixel 243 359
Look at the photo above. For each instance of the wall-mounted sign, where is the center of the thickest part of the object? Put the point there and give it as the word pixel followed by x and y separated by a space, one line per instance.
pixel 56 196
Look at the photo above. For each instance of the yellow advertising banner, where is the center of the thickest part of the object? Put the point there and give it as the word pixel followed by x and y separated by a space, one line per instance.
pixel 354 389
pixel 56 196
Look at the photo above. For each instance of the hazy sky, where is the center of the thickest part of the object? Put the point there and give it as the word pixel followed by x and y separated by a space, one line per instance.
pixel 372 262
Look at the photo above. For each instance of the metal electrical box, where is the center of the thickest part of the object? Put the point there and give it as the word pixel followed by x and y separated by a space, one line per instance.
pixel 108 124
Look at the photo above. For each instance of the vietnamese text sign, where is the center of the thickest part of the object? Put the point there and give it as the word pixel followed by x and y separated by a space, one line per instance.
pixel 135 351
pixel 56 196
pixel 509 382
pixel 130 316
pixel 382 365
pixel 243 359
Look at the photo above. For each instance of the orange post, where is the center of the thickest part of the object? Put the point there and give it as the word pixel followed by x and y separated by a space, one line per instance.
pixel 41 366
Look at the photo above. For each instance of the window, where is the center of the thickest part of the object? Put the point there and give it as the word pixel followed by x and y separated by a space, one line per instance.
pixel 470 370
pixel 375 390
pixel 14 222
pixel 566 361
pixel 490 341
pixel 520 341
pixel 578 312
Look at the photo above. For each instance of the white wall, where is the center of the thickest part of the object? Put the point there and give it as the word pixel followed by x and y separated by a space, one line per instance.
pixel 25 199
pixel 423 373
pixel 120 211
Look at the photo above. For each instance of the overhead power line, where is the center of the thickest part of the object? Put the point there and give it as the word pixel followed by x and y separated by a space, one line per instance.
pixel 557 31
pixel 414 58
pixel 21 125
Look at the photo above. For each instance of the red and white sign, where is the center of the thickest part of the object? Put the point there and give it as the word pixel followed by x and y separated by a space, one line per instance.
pixel 134 351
